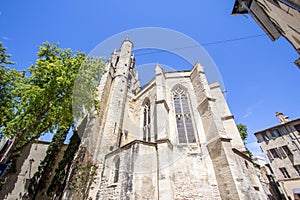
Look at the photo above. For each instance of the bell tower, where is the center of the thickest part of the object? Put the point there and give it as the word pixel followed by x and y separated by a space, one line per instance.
pixel 122 60
pixel 121 69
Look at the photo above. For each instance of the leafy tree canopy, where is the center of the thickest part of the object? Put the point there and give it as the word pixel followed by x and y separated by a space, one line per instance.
pixel 42 102
pixel 8 82
pixel 243 131
pixel 4 56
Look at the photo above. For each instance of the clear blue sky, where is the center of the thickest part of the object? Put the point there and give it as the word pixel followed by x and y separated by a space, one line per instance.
pixel 258 74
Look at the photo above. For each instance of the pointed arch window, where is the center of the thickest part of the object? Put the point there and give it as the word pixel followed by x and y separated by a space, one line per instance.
pixel 147 122
pixel 183 116
pixel 116 169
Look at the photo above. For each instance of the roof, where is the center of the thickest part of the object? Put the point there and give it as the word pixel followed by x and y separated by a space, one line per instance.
pixel 277 126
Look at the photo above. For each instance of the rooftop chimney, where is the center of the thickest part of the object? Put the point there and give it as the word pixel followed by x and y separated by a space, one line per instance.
pixel 283 119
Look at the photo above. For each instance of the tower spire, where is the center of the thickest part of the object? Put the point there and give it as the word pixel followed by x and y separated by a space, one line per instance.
pixel 127 43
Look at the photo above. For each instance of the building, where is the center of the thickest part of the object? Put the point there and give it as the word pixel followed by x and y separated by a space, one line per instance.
pixel 267 179
pixel 276 17
pixel 4 145
pixel 281 145
pixel 174 138
pixel 16 184
pixel 27 164
pixel 259 160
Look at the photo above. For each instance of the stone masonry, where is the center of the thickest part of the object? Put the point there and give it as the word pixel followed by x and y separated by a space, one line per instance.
pixel 174 138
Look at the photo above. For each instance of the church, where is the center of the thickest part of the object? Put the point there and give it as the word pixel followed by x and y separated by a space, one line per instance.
pixel 173 138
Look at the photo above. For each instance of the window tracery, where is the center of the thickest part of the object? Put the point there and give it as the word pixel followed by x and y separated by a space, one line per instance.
pixel 183 116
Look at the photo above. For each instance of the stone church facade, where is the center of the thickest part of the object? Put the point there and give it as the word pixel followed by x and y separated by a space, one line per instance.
pixel 174 138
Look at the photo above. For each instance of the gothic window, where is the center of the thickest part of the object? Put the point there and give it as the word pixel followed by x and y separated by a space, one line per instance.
pixel 129 81
pixel 117 168
pixel 147 122
pixel 117 60
pixel 120 139
pixel 183 116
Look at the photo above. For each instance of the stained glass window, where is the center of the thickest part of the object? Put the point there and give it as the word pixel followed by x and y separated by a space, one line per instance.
pixel 183 116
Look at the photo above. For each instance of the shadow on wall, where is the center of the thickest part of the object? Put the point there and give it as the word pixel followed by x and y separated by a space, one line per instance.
pixel 11 176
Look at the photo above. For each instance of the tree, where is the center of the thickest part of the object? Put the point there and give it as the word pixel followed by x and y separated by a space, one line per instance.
pixel 43 102
pixel 243 131
pixel 9 82
pixel 4 56
pixel 242 128
pixel 10 79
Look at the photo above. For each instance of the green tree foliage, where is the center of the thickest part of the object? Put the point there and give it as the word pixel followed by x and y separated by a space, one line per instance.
pixel 83 179
pixel 244 134
pixel 59 71
pixel 4 56
pixel 43 102
pixel 9 80
pixel 243 131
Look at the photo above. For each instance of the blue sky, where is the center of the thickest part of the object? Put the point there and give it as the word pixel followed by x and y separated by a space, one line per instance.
pixel 259 75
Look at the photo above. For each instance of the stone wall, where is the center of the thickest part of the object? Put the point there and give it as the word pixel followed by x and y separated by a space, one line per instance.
pixel 27 166
pixel 137 177
pixel 163 168
pixel 193 176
